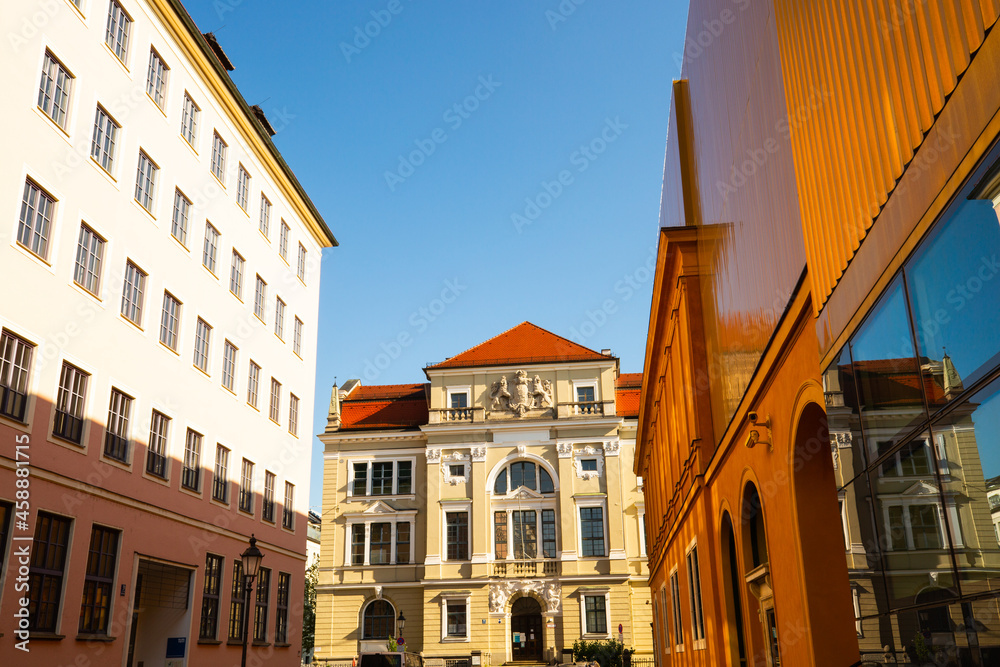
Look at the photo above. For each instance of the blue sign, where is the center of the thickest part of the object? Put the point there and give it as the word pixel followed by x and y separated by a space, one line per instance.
pixel 176 646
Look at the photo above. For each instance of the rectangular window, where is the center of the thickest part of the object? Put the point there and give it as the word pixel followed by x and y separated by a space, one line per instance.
pixel 457 621
pixel 300 269
pixel 156 453
pixel 360 486
pixel 592 531
pixel 191 474
pixel 145 181
pixel 279 318
pixel 293 414
pixel 220 481
pixel 694 594
pixel 189 119
pixel 380 551
pixel 243 188
pixel 924 526
pixel 584 394
pixel 132 292
pixel 246 487
pixel 116 435
pixel 236 275
pixel 524 530
pixel 595 609
pixel 287 508
pixel 382 478
pixel 358 544
pixel 259 297
pixel 675 602
pixel 68 423
pixel 15 363
pixel 98 585
pixel 211 246
pixel 548 533
pixel 283 240
pixel 297 338
pixel 281 610
pixel 253 384
pixel 89 256
pixel 102 146
pixel 202 342
pixel 500 534
pixel 236 602
pixel 179 223
pixel 457 535
pixel 265 215
pixel 156 78
pixel 404 477
pixel 229 366
pixel 403 542
pixel 45 575
pixel 116 34
pixel 54 89
pixel 267 511
pixel 275 409
pixel 260 609
pixel 587 465
pixel 170 321
pixel 208 628
pixel 35 219
pixel 219 157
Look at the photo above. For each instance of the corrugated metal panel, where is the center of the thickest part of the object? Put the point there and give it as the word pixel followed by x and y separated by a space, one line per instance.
pixel 885 69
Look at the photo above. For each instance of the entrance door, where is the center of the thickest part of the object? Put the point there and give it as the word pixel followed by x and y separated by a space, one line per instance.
pixel 526 630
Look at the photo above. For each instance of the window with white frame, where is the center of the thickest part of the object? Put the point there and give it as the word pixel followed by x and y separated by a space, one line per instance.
pixel 243 188
pixel 156 452
pixel 675 604
pixel 593 528
pixel 156 78
pixel 279 318
pixel 300 268
pixel 229 366
pixel 456 533
pixel 378 620
pixel 211 246
pixel 68 423
pixel 516 533
pixel 694 598
pixel 585 394
pixel 383 477
pixel 259 298
pixel 132 293
pixel 917 523
pixel 54 89
pixel 594 606
pixel 191 471
pixel 35 219
pixel 528 474
pixel 116 435
pixel 236 275
pixel 283 240
pixel 170 320
pixel 189 119
pixel 274 411
pixel 293 414
pixel 265 215
pixel 253 384
pixel 287 509
pixel 267 508
pixel 297 338
pixel 458 397
pixel 102 145
pixel 220 478
pixel 379 539
pixel 912 460
pixel 116 34
pixel 145 181
pixel 202 344
pixel 89 257
pixel 455 617
pixel 218 166
pixel 246 486
pixel 588 462
pixel 179 221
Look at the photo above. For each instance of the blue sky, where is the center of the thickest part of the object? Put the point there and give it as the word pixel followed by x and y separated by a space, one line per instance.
pixel 480 163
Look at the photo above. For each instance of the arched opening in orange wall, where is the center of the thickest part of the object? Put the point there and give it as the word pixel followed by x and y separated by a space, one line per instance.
pixel 757 579
pixel 732 589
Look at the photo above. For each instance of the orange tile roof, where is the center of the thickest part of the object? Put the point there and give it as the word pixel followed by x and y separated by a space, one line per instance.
pixel 390 406
pixel 630 380
pixel 628 391
pixel 524 344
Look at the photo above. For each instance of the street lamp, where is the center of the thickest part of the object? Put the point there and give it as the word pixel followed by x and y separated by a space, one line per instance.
pixel 251 564
pixel 400 623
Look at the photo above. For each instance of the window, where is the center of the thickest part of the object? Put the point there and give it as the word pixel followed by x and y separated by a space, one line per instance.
pixel 68 423
pixel 281 610
pixel 379 620
pixel 382 478
pixel 592 531
pixel 208 628
pixel 402 542
pixel 253 383
pixel 219 158
pixel 220 483
pixel 912 460
pixel 54 89
pixel 300 268
pixel 211 245
pixel 275 410
pixel 170 321
pixel 358 544
pixel 457 535
pixel 156 78
pixel 548 533
pixel 246 487
pixel 457 469
pixel 228 365
pixel 585 394
pixel 283 240
pixel 98 585
pixel 383 474
pixel 456 622
pixel 380 544
pixel 89 255
pixel 189 120
pixel 526 474
pixel 45 575
pixel 267 511
pixel 287 508
pixel 202 342
pixel 596 614
pixel 371 543
pixel 588 464
pixel 132 289
pixel 116 35
pixel 913 526
pixel 260 608
pixel 293 414
pixel 236 275
pixel 102 146
pixel 191 473
pixel 265 215
pixel 35 219
pixel 524 531
pixel 586 398
pixel 116 435
pixel 279 318
pixel 694 594
pixel 500 535
pixel 458 399
pixel 145 181
pixel 259 297
pixel 15 362
pixel 238 598
pixel 675 602
pixel 243 188
pixel 297 338
pixel 156 454
pixel 179 224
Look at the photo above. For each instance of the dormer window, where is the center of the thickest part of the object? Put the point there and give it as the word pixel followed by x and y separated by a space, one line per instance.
pixel 585 394
pixel 526 474
pixel 459 400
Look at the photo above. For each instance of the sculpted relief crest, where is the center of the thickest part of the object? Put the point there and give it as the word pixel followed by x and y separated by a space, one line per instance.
pixel 521 395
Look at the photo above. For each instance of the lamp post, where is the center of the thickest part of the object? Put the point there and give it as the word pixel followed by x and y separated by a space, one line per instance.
pixel 400 624
pixel 251 564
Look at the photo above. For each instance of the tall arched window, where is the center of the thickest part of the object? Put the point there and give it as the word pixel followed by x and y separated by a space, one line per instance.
pixel 524 473
pixel 379 621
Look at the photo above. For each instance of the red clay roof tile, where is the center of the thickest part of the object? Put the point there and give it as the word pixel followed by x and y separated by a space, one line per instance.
pixel 525 343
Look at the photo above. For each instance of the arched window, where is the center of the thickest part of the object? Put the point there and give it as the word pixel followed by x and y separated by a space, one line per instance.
pixel 524 473
pixel 379 620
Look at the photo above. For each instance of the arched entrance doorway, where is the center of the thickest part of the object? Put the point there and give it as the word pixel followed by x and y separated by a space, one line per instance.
pixel 733 587
pixel 526 630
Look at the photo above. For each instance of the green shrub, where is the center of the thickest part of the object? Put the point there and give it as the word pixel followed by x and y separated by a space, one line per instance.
pixel 608 653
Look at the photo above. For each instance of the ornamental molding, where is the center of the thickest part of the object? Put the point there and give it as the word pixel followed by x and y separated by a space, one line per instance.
pixel 611 448
pixel 588 453
pixel 478 454
pixel 433 454
pixel 842 439
pixel 522 395
pixel 447 464
pixel 565 450
pixel 456 456
pixel 502 592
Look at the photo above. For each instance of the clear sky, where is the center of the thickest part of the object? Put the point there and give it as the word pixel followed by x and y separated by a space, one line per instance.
pixel 481 164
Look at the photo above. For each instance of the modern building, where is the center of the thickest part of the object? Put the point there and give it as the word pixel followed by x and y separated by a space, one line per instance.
pixel 160 264
pixel 821 410
pixel 492 509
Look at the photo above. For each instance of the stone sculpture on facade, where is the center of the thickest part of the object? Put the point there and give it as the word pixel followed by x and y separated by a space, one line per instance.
pixel 525 394
pixel 542 393
pixel 500 395
pixel 502 592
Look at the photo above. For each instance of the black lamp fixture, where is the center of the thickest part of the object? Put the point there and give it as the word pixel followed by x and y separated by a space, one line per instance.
pixel 401 622
pixel 250 559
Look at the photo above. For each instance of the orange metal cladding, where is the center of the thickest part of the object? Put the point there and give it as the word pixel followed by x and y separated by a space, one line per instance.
pixel 888 68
